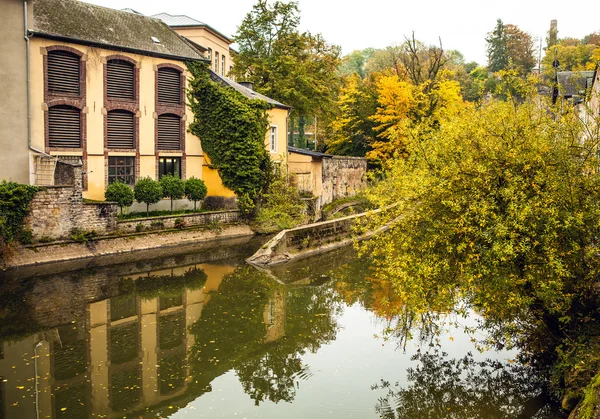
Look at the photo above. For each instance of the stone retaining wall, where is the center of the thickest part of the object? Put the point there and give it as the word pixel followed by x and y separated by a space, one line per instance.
pixel 168 222
pixel 342 177
pixel 56 211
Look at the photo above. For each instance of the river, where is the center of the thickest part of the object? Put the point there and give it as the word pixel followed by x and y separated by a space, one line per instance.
pixel 203 335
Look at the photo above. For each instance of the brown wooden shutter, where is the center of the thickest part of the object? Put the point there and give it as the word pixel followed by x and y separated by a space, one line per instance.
pixel 63 73
pixel 169 132
pixel 169 86
pixel 120 80
pixel 64 127
pixel 120 129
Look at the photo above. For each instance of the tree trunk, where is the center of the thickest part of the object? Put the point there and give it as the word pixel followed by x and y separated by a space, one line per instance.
pixel 171 205
pixel 147 210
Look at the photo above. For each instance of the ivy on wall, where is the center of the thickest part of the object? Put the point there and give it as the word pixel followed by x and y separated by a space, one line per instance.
pixel 232 129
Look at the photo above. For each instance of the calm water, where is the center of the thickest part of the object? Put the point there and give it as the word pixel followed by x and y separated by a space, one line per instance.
pixel 193 336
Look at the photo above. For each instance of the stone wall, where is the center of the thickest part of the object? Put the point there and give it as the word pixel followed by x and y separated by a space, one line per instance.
pixel 342 177
pixel 168 222
pixel 59 209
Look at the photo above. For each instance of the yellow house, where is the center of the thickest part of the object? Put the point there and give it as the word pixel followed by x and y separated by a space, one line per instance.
pixel 217 44
pixel 107 89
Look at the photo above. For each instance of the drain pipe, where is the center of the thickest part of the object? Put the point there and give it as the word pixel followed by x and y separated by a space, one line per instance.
pixel 28 70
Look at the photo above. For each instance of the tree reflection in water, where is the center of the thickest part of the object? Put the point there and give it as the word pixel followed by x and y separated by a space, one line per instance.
pixel 441 387
pixel 261 329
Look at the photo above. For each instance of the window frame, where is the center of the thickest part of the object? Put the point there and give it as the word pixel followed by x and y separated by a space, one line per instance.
pixel 162 166
pixel 117 177
pixel 273 139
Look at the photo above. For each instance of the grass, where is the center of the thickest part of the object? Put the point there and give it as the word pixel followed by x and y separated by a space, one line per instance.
pixel 135 215
pixel 590 400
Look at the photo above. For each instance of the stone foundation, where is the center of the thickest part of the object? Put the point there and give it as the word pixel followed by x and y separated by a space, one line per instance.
pixel 168 222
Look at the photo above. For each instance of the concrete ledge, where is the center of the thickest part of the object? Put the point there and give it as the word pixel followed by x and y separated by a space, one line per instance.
pixel 70 251
pixel 310 240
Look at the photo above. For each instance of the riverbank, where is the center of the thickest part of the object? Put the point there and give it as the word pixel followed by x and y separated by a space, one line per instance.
pixel 60 252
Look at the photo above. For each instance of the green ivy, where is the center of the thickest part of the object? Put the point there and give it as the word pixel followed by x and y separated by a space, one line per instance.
pixel 14 207
pixel 232 129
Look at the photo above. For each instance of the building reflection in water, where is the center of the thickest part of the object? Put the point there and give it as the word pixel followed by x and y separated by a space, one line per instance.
pixel 127 357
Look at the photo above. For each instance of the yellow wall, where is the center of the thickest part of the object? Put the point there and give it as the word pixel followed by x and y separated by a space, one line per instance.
pixel 209 39
pixel 94 59
pixel 308 172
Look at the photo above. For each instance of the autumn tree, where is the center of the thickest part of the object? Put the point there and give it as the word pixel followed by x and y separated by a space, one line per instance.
pixel 355 62
pixel 352 130
pixel 293 67
pixel 509 47
pixel 498 209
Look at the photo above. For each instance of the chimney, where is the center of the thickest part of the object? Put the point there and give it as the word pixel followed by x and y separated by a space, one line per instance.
pixel 247 84
pixel 553 34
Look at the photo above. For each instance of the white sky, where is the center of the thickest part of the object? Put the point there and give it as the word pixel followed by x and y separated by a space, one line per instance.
pixel 462 24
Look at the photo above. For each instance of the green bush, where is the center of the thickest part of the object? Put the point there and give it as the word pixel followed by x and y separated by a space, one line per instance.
pixel 195 190
pixel 280 208
pixel 179 223
pixel 120 193
pixel 139 227
pixel 148 191
pixel 14 207
pixel 172 188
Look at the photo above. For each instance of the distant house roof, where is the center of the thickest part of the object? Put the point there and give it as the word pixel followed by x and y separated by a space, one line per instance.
pixel 127 9
pixel 574 83
pixel 309 152
pixel 249 93
pixel 83 23
pixel 182 21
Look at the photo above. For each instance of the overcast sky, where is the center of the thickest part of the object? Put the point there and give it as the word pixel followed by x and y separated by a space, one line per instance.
pixel 462 24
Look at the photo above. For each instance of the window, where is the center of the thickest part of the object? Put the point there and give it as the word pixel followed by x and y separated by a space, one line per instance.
pixel 217 62
pixel 63 73
pixel 120 129
pixel 169 86
pixel 222 65
pixel 169 132
pixel 121 169
pixel 273 139
pixel 120 80
pixel 64 127
pixel 169 166
pixel 209 54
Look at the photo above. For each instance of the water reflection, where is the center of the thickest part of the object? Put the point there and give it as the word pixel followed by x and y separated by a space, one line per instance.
pixel 147 340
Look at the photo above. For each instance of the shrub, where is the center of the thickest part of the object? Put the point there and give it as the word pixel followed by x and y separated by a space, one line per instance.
pixel 120 193
pixel 280 208
pixel 179 223
pixel 139 227
pixel 148 191
pixel 157 225
pixel 172 188
pixel 14 207
pixel 82 236
pixel 195 190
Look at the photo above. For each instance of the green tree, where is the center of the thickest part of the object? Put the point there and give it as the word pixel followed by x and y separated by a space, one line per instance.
pixel 195 190
pixel 120 193
pixel 298 69
pixel 496 48
pixel 355 62
pixel 147 191
pixel 172 188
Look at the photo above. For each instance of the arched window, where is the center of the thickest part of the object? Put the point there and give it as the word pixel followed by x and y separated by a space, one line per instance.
pixel 169 86
pixel 120 129
pixel 63 73
pixel 169 132
pixel 120 80
pixel 64 127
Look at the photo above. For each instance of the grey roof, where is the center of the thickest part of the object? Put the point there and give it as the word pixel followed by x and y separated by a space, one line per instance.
pixel 308 152
pixel 127 9
pixel 180 21
pixel 79 22
pixel 249 93
pixel 574 83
